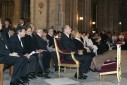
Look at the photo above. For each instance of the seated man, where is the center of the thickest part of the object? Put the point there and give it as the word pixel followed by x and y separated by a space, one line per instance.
pixel 7 57
pixel 17 45
pixel 51 47
pixel 42 45
pixel 67 44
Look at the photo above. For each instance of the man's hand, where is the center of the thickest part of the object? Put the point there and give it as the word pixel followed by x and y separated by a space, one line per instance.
pixel 80 52
pixel 41 50
pixel 27 55
pixel 14 54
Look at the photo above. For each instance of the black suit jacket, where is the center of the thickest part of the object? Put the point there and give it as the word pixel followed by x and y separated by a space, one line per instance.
pixel 40 42
pixel 51 40
pixel 16 45
pixel 3 50
pixel 67 43
pixel 29 43
pixel 79 45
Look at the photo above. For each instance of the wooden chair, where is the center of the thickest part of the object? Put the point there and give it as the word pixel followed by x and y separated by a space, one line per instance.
pixel 113 67
pixel 1 72
pixel 61 62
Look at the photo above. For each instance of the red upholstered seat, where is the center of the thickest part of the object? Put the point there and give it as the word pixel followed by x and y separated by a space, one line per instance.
pixel 74 63
pixel 67 51
pixel 111 66
pixel 109 61
pixel 108 67
pixel 67 62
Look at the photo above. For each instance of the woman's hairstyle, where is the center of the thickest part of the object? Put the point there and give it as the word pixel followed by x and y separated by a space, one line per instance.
pixel 74 32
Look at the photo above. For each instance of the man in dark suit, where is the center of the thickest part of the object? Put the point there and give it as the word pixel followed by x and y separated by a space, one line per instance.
pixel 51 47
pixel 50 37
pixel 67 44
pixel 17 45
pixel 8 57
pixel 22 22
pixel 42 45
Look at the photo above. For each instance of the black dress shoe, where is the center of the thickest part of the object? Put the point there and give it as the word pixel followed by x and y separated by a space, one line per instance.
pixel 39 75
pixel 33 75
pixel 25 80
pixel 79 77
pixel 29 76
pixel 84 75
pixel 20 81
pixel 46 76
pixel 61 70
pixel 14 83
pixel 94 70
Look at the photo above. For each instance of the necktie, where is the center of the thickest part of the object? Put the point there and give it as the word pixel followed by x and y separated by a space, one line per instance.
pixel 21 42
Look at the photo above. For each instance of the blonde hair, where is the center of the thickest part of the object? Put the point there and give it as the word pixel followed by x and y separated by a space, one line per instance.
pixel 74 32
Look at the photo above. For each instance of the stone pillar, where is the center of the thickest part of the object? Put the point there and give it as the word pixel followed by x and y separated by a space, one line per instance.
pixel 84 10
pixel 60 14
pixel 47 13
pixel 87 16
pixel 108 15
pixel 71 13
pixel 39 13
pixel 75 14
pixel 17 11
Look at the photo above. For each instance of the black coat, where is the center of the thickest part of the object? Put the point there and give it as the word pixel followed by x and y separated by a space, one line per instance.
pixel 67 43
pixel 40 42
pixel 51 40
pixel 3 50
pixel 16 45
pixel 29 43
pixel 79 45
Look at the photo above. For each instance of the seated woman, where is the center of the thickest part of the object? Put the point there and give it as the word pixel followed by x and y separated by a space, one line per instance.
pixel 85 50
pixel 88 43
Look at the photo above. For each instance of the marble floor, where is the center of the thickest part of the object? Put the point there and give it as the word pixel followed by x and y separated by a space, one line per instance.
pixel 93 77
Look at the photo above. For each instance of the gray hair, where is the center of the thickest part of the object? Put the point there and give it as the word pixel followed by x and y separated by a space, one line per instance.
pixel 64 27
pixel 39 30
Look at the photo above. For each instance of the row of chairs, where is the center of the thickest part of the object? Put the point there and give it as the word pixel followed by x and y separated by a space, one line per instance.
pixel 113 67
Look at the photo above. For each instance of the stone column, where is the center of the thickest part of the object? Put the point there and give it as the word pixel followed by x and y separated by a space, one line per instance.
pixel 60 15
pixel 39 13
pixel 87 16
pixel 47 13
pixel 17 11
pixel 75 14
pixel 84 10
pixel 108 15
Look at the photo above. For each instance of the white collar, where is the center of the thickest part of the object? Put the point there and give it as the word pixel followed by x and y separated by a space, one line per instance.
pixel 78 39
pixel 49 35
pixel 19 37
pixel 66 35
pixel 38 35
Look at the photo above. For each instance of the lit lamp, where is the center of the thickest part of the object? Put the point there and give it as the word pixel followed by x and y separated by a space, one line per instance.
pixel 120 23
pixel 93 23
pixel 80 18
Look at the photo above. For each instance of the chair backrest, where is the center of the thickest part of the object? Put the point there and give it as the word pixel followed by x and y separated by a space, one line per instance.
pixel 58 49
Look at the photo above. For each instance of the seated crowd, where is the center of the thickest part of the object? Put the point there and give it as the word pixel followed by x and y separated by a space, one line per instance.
pixel 30 52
